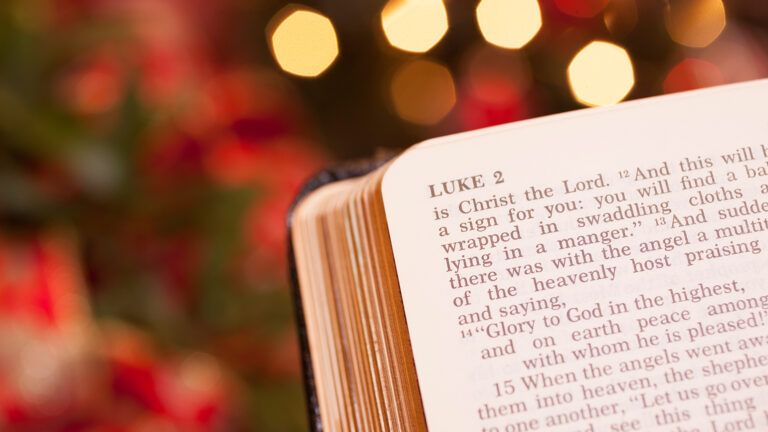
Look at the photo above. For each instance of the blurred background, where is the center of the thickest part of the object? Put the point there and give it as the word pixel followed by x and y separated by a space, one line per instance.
pixel 149 151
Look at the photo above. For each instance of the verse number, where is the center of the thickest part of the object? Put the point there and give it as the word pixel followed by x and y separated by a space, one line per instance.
pixel 498 176
pixel 504 388
pixel 624 174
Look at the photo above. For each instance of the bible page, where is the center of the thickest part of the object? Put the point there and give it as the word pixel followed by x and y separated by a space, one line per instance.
pixel 602 270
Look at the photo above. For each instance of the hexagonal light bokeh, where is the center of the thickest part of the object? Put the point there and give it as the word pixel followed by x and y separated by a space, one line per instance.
pixel 304 42
pixel 601 74
pixel 414 25
pixel 695 23
pixel 509 24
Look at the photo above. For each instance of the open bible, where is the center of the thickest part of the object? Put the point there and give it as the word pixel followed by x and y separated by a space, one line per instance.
pixel 600 270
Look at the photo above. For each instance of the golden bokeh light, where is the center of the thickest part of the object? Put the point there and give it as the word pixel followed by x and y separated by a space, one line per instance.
pixel 509 24
pixel 423 92
pixel 303 41
pixel 414 25
pixel 601 74
pixel 695 23
pixel 620 17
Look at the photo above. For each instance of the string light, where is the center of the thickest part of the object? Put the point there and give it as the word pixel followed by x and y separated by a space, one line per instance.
pixel 414 25
pixel 509 24
pixel 304 42
pixel 695 23
pixel 601 74
pixel 423 92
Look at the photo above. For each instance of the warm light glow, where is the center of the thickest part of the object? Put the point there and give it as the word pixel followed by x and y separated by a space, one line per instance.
pixel 695 23
pixel 620 17
pixel 495 76
pixel 581 8
pixel 509 23
pixel 414 25
pixel 304 42
pixel 601 74
pixel 691 74
pixel 423 92
pixel 494 88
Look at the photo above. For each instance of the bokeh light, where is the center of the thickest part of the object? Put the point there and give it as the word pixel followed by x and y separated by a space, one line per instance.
pixel 695 23
pixel 423 92
pixel 692 73
pixel 93 86
pixel 739 54
pixel 303 42
pixel 620 17
pixel 414 25
pixel 601 74
pixel 581 8
pixel 494 88
pixel 509 24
